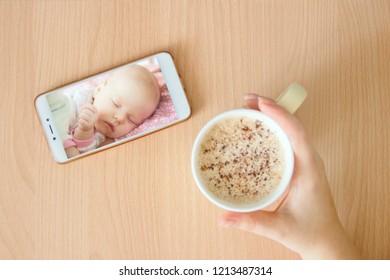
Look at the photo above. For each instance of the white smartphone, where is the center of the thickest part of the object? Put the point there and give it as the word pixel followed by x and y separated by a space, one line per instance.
pixel 113 107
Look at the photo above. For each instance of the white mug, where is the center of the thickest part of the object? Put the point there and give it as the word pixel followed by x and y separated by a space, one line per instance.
pixel 290 99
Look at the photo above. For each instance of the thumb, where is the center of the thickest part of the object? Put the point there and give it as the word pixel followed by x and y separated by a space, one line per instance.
pixel 263 223
pixel 288 122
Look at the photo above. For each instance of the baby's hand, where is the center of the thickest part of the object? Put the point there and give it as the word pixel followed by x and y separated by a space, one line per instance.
pixel 88 118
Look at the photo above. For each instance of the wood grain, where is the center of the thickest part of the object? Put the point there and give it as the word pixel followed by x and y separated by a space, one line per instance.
pixel 139 201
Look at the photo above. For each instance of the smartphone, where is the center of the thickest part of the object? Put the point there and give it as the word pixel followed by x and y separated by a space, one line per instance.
pixel 113 107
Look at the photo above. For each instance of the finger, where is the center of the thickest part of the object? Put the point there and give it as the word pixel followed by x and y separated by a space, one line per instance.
pixel 83 124
pixel 260 222
pixel 88 115
pixel 288 122
pixel 251 101
pixel 87 121
pixel 85 116
pixel 91 108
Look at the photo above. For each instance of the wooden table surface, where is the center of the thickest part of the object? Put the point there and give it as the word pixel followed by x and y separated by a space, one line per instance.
pixel 139 200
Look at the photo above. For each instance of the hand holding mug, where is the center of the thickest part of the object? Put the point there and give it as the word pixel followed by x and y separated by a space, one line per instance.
pixel 307 221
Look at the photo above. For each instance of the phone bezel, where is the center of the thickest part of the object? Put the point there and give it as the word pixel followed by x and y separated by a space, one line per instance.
pixel 175 89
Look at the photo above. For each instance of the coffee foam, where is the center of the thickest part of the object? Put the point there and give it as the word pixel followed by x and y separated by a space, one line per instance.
pixel 241 160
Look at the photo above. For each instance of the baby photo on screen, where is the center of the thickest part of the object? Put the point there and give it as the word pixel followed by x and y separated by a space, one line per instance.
pixel 110 107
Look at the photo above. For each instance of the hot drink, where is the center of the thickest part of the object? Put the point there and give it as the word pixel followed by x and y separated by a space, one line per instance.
pixel 241 160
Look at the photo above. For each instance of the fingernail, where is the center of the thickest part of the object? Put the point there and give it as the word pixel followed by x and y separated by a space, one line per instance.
pixel 263 100
pixel 227 223
pixel 266 100
pixel 250 96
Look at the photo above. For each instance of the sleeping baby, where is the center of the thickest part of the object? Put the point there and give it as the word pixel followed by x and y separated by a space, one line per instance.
pixel 119 104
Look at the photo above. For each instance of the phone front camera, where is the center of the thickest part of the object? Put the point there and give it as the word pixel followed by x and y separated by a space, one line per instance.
pixel 54 138
pixel 47 119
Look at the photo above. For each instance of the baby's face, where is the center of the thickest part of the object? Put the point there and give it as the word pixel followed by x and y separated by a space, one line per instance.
pixel 125 100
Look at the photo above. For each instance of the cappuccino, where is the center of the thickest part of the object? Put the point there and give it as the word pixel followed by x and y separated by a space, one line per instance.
pixel 240 160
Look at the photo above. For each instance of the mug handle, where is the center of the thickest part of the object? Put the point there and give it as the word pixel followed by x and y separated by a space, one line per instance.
pixel 292 97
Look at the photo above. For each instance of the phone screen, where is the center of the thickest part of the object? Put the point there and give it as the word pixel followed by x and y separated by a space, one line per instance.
pixel 112 106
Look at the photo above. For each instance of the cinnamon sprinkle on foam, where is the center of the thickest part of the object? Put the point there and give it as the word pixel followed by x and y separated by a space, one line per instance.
pixel 241 160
